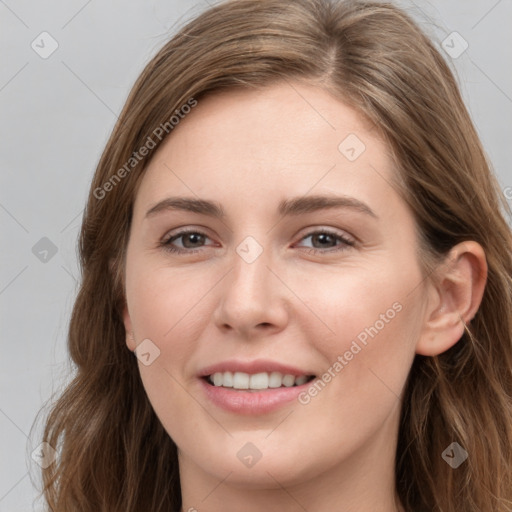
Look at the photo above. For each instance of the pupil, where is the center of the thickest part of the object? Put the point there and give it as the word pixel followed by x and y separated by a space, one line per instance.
pixel 322 237
pixel 192 236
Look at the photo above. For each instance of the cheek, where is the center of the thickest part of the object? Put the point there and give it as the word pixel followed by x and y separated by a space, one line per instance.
pixel 166 307
pixel 344 303
pixel 365 326
pixel 166 301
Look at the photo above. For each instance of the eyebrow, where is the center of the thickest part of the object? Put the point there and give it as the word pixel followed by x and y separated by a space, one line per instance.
pixel 287 207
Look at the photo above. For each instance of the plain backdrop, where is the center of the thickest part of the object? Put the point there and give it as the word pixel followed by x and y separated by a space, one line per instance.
pixel 57 110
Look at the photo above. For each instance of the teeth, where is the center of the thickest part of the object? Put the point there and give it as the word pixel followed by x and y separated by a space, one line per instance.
pixel 258 381
pixel 218 379
pixel 275 380
pixel 240 380
pixel 228 380
pixel 301 380
pixel 288 381
pixel 264 380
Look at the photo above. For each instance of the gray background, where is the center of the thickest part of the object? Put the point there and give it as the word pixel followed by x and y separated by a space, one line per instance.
pixel 56 114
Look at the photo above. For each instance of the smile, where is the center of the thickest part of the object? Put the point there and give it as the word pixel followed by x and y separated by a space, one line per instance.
pixel 257 381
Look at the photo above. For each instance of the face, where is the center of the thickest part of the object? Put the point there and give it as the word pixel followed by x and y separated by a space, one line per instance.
pixel 305 265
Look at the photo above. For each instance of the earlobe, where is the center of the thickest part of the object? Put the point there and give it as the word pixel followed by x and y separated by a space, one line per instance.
pixel 458 291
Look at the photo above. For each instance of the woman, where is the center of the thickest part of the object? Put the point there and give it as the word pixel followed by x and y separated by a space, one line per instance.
pixel 294 229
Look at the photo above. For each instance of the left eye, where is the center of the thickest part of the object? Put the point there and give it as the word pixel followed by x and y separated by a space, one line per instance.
pixel 325 238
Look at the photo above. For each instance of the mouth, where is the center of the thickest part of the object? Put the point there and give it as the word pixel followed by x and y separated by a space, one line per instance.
pixel 241 381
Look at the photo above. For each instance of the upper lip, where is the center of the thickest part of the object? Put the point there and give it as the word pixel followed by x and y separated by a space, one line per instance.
pixel 252 367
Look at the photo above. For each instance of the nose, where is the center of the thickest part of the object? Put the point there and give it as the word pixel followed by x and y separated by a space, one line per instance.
pixel 253 300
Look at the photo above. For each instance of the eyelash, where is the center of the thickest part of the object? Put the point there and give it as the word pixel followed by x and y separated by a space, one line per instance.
pixel 345 242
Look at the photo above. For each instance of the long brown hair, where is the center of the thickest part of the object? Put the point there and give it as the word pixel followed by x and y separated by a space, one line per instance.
pixel 113 453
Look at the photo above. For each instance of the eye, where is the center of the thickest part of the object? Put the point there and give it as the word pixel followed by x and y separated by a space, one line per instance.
pixel 327 241
pixel 192 240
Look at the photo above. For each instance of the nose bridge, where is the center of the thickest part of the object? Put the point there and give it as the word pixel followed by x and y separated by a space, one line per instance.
pixel 249 279
pixel 250 297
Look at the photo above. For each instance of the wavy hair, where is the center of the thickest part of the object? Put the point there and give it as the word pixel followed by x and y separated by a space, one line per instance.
pixel 113 453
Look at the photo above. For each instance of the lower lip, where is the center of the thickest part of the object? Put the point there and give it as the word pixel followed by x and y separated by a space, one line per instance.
pixel 252 402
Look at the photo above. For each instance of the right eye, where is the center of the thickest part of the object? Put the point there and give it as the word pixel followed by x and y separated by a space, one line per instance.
pixel 189 237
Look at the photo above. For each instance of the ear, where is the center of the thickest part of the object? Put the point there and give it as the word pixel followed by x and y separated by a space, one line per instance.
pixel 130 339
pixel 454 296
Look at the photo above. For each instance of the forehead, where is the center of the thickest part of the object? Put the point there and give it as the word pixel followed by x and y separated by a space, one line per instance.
pixel 281 114
pixel 254 145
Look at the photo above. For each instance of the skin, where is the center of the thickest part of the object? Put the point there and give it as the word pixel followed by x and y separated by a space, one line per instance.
pixel 248 150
